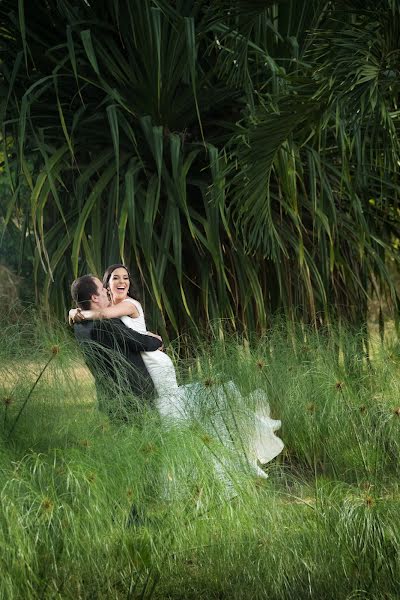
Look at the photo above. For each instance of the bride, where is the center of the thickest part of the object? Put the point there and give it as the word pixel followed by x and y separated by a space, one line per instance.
pixel 178 402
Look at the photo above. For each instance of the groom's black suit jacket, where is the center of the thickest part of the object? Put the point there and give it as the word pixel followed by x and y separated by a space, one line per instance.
pixel 112 353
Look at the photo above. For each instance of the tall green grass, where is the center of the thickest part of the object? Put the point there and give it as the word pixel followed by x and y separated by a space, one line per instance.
pixel 324 524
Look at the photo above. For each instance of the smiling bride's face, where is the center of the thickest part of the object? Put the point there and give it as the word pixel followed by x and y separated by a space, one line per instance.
pixel 119 284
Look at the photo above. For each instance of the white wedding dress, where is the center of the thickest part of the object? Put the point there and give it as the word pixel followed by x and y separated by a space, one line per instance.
pixel 180 403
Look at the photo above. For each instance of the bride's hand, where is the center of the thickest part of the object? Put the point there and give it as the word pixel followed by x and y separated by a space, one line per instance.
pixel 154 335
pixel 162 343
pixel 158 337
pixel 75 316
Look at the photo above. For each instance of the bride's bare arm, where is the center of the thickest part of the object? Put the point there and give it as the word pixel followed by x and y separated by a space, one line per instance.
pixel 123 309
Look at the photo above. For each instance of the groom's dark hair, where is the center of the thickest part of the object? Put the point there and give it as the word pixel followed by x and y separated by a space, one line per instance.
pixel 82 290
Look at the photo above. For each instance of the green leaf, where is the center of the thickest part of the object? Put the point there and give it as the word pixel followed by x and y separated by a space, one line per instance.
pixel 88 45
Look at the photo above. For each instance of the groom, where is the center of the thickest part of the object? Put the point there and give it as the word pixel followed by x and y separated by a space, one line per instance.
pixel 112 353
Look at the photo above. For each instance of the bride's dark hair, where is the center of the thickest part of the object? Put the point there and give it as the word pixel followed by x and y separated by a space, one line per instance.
pixel 133 291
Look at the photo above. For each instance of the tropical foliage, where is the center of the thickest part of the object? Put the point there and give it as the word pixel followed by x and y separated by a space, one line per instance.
pixel 16 253
pixel 242 156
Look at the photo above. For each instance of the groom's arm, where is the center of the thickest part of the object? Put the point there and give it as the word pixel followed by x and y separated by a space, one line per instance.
pixel 111 332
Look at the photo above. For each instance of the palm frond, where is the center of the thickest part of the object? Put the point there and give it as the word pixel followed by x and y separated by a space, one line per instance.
pixel 242 163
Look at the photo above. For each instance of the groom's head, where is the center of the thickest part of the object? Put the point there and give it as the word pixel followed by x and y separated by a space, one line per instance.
pixel 88 293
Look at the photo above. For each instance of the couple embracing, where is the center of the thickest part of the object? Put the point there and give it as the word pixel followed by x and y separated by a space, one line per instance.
pixel 109 324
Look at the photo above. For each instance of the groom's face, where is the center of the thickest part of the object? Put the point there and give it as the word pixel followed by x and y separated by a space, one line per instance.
pixel 101 299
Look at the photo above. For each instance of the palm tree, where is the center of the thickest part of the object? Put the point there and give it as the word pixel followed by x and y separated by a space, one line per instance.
pixel 242 156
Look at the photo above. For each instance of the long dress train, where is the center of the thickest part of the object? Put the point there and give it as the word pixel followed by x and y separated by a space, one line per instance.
pixel 180 403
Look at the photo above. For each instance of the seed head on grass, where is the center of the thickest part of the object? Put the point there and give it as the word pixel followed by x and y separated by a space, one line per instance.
pixel 396 411
pixel 207 439
pixel 197 492
pixel 260 482
pixel 366 485
pixel 55 349
pixel 149 448
pixel 7 401
pixel 47 505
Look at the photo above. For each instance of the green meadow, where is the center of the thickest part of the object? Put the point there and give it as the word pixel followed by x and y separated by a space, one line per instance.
pixel 324 524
